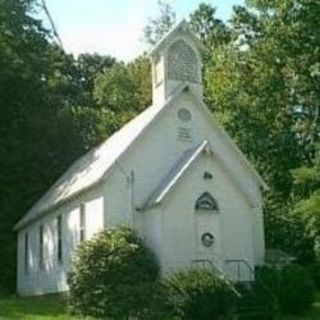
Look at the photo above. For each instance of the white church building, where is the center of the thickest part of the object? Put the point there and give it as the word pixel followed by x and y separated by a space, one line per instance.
pixel 172 174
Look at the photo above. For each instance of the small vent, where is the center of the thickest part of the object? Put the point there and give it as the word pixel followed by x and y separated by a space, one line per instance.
pixel 184 115
pixel 184 134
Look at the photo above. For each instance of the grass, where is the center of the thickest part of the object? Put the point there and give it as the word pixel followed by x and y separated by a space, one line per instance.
pixel 34 308
pixel 53 308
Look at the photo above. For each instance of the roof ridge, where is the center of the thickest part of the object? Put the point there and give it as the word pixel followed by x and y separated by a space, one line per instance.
pixel 92 167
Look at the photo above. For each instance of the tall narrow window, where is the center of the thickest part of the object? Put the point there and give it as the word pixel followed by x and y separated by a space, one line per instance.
pixel 26 253
pixel 59 239
pixel 82 222
pixel 41 247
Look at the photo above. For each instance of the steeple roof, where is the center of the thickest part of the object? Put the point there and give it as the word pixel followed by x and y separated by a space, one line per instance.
pixel 181 27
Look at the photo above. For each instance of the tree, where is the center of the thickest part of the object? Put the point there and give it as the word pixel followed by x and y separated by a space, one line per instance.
pixel 140 71
pixel 22 43
pixel 159 26
pixel 47 118
pixel 307 192
pixel 124 90
pixel 89 66
pixel 263 87
pixel 211 31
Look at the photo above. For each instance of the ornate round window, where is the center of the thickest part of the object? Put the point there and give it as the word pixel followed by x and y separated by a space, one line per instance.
pixel 207 239
pixel 184 115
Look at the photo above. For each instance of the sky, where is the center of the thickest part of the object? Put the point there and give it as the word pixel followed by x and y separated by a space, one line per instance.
pixel 115 27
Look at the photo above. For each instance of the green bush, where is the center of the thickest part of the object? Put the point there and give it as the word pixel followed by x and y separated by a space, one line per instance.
pixel 199 294
pixel 256 302
pixel 112 276
pixel 291 285
pixel 314 271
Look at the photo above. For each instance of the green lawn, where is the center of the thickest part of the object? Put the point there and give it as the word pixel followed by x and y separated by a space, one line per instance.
pixel 53 308
pixel 35 308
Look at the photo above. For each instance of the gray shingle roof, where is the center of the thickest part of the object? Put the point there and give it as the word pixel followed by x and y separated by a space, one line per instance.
pixel 92 167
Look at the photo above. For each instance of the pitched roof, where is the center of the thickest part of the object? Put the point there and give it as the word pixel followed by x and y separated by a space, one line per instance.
pixel 92 167
pixel 242 158
pixel 182 26
pixel 169 182
pixel 95 165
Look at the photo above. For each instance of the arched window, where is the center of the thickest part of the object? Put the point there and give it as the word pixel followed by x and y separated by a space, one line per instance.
pixel 183 64
pixel 206 202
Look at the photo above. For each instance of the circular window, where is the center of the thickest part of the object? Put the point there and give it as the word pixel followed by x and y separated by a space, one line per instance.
pixel 207 239
pixel 184 115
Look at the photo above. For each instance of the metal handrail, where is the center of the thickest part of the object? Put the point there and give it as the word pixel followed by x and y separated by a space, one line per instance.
pixel 246 263
pixel 221 273
pixel 262 283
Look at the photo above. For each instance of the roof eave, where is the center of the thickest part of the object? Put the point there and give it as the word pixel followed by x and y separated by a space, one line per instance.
pixel 181 25
pixel 22 222
pixel 153 200
pixel 242 157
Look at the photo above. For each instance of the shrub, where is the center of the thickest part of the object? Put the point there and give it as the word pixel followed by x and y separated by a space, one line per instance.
pixel 256 302
pixel 112 276
pixel 199 294
pixel 292 286
pixel 314 271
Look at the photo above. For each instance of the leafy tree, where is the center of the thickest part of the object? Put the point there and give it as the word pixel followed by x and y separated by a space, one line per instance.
pixel 88 67
pixel 46 121
pixel 263 87
pixel 124 90
pixel 211 31
pixel 140 71
pixel 307 190
pixel 22 42
pixel 114 89
pixel 287 284
pixel 159 26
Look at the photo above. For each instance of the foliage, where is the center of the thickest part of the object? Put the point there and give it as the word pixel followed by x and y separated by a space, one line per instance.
pixel 43 101
pixel 287 231
pixel 159 26
pixel 50 115
pixel 126 271
pixel 314 271
pixel 124 88
pixel 256 302
pixel 199 294
pixel 211 31
pixel 50 307
pixel 140 71
pixel 261 80
pixel 307 192
pixel 262 86
pixel 292 286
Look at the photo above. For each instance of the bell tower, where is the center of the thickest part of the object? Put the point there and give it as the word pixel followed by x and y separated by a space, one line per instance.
pixel 176 60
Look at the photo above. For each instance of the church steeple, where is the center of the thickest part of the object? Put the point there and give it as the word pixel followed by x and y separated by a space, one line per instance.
pixel 176 59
